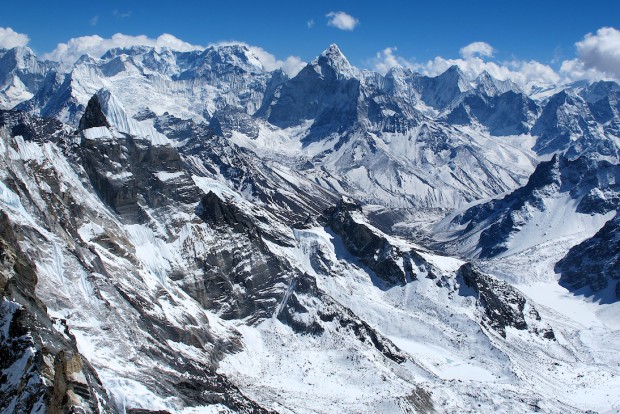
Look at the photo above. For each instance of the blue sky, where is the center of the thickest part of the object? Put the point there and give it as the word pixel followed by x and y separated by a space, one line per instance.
pixel 544 31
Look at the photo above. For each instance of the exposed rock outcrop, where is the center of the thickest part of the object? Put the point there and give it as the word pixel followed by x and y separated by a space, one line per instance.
pixel 390 263
pixel 595 263
pixel 40 366
pixel 241 276
pixel 129 172
pixel 503 305
pixel 308 310
pixel 93 115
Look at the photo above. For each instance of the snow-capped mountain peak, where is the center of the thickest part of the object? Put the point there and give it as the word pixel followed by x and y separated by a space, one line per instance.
pixel 398 72
pixel 332 62
pixel 236 55
pixel 454 76
pixel 22 75
pixel 492 86
pixel 22 57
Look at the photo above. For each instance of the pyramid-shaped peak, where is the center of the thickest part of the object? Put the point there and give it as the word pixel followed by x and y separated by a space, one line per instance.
pixel 454 76
pixel 332 50
pixel 93 115
pixel 453 70
pixel 398 72
pixel 487 81
pixel 333 58
pixel 486 78
pixel 491 85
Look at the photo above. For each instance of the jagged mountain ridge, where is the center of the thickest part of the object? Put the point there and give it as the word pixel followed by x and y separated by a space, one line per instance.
pixel 132 285
pixel 202 82
pixel 333 104
pixel 228 217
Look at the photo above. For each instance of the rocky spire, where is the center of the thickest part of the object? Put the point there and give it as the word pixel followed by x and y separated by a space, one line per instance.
pixel 93 116
pixel 333 60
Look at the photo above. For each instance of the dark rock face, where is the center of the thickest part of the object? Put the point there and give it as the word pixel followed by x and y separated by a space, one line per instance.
pixel 239 271
pixel 40 368
pixel 218 213
pixel 503 305
pixel 93 116
pixel 30 127
pixel 211 388
pixel 181 129
pixel 505 114
pixel 129 173
pixel 262 181
pixel 373 249
pixel 595 263
pixel 310 319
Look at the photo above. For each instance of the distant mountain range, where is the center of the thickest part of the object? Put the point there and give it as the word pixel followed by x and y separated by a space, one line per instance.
pixel 189 232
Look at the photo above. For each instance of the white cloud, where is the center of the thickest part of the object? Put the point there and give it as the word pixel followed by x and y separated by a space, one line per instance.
pixel 599 53
pixel 576 69
pixel 310 23
pixel 96 46
pixel 386 60
pixel 532 72
pixel 9 38
pixel 341 20
pixel 523 73
pixel 476 49
pixel 292 65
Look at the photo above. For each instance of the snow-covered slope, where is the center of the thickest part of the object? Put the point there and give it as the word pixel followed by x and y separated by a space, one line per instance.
pixel 194 234
pixel 22 75
pixel 563 198
pixel 109 282
pixel 188 84
pixel 566 201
